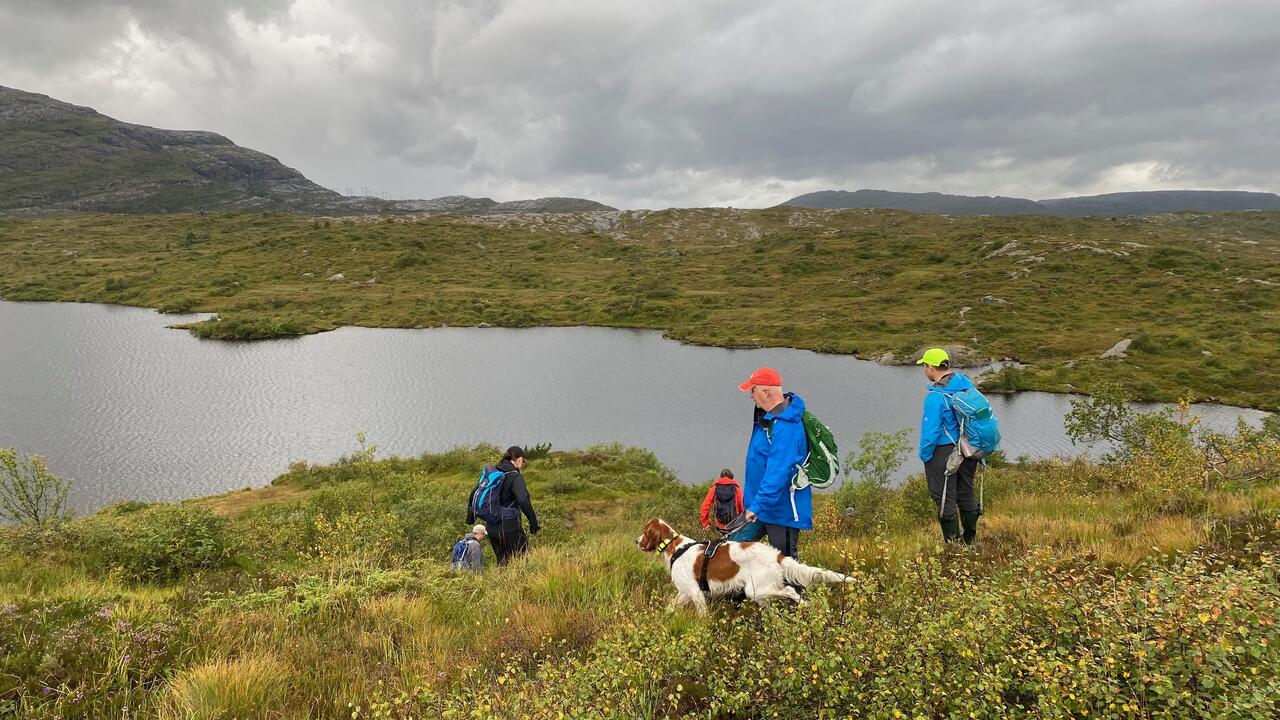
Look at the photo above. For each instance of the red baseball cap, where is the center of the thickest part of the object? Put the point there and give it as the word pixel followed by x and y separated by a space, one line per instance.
pixel 762 376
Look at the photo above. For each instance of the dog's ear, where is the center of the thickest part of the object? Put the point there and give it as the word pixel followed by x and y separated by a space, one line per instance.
pixel 649 536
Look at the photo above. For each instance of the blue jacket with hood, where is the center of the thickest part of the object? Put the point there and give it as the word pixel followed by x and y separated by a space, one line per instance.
pixel 778 446
pixel 938 425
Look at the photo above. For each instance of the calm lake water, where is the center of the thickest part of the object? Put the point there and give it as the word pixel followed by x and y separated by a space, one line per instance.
pixel 132 410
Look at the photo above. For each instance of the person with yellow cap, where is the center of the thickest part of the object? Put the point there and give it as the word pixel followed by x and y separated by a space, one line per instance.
pixel 951 488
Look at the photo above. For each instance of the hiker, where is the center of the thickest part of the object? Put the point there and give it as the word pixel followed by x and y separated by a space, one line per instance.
pixel 777 447
pixel 939 432
pixel 724 498
pixel 467 554
pixel 506 532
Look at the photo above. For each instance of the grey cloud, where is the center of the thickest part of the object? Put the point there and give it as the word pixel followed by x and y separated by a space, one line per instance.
pixel 670 103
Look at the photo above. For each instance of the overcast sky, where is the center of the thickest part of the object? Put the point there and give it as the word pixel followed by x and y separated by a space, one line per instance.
pixel 687 102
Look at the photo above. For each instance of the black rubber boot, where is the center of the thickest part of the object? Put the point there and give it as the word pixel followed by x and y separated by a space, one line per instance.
pixel 950 528
pixel 970 522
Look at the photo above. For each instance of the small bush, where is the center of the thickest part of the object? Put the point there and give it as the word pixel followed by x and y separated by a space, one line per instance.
pixel 1009 378
pixel 29 493
pixel 178 305
pixel 160 543
pixel 864 503
pixel 409 259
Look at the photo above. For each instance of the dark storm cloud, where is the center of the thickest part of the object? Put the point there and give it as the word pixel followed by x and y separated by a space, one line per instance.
pixel 676 103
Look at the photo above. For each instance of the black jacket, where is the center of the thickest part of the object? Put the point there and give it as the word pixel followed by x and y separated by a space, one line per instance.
pixel 515 495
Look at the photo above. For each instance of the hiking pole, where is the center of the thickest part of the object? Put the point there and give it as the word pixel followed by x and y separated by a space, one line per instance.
pixel 982 485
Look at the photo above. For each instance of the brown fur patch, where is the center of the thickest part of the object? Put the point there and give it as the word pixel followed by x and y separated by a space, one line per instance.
pixel 780 556
pixel 655 531
pixel 722 567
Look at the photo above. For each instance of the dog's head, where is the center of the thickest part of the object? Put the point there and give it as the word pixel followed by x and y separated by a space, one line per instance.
pixel 655 531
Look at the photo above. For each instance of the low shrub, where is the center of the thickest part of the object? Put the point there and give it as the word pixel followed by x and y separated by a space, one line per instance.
pixel 159 544
pixel 941 636
pixel 178 305
pixel 83 657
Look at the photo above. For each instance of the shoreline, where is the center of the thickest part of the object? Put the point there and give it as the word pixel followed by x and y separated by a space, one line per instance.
pixel 982 378
pixel 1189 294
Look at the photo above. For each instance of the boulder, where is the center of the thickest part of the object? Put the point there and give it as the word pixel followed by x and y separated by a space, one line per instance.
pixel 337 277
pixel 1117 350
pixel 962 356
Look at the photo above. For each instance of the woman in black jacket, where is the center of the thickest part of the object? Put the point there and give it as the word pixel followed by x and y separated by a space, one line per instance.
pixel 507 536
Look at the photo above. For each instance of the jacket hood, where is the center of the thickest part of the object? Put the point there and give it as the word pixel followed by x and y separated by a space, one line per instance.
pixel 726 481
pixel 795 409
pixel 955 382
pixel 506 466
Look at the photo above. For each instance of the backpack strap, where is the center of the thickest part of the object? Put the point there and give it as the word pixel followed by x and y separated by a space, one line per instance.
pixel 950 399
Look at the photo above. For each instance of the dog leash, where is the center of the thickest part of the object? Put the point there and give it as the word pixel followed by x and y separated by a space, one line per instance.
pixel 735 525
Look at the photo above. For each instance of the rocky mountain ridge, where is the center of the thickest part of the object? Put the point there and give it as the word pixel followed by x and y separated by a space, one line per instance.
pixel 56 157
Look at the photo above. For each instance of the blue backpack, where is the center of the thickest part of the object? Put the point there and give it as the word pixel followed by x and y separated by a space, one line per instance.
pixel 459 554
pixel 486 498
pixel 979 426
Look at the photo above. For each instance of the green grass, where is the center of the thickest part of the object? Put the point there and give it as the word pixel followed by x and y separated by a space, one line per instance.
pixel 327 595
pixel 1194 291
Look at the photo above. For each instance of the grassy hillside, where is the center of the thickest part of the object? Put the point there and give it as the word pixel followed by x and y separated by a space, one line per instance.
pixel 1197 294
pixel 1117 590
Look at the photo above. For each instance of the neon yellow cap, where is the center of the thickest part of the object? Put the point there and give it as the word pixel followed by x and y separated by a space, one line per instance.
pixel 934 357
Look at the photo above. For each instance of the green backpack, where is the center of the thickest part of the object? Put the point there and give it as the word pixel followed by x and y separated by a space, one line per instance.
pixel 821 467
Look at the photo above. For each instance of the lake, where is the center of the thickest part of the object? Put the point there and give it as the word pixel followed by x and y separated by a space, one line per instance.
pixel 129 409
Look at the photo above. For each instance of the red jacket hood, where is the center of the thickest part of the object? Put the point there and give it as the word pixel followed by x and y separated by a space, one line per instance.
pixel 726 481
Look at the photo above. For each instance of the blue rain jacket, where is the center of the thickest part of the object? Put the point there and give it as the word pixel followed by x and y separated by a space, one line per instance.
pixel 938 425
pixel 773 457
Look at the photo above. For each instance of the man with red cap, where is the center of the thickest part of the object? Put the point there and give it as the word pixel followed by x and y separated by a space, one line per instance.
pixel 778 446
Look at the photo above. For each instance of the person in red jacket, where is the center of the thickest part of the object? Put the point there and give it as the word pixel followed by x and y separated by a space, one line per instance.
pixel 724 500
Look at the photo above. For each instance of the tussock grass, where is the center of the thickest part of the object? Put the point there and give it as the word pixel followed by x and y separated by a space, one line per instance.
pixel 246 688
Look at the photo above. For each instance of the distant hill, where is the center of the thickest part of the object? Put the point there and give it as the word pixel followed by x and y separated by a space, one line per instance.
pixel 1111 205
pixel 57 157
pixel 470 205
pixel 1161 201
pixel 932 202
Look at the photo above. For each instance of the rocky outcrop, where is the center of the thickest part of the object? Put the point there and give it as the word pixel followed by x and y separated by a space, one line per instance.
pixel 961 356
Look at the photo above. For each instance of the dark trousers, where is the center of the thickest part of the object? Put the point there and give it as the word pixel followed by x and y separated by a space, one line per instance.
pixel 508 542
pixel 785 540
pixel 958 487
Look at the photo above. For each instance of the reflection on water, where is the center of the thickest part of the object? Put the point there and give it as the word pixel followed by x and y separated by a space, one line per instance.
pixel 131 410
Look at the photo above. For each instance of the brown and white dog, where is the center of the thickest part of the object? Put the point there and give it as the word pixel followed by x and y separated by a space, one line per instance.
pixel 753 568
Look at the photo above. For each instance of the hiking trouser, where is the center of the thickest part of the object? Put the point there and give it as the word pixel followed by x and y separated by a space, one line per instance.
pixel 785 539
pixel 951 491
pixel 508 542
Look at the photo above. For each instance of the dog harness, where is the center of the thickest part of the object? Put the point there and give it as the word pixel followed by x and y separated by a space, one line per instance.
pixel 712 547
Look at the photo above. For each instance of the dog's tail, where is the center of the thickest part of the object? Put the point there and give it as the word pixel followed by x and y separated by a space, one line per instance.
pixel 805 575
